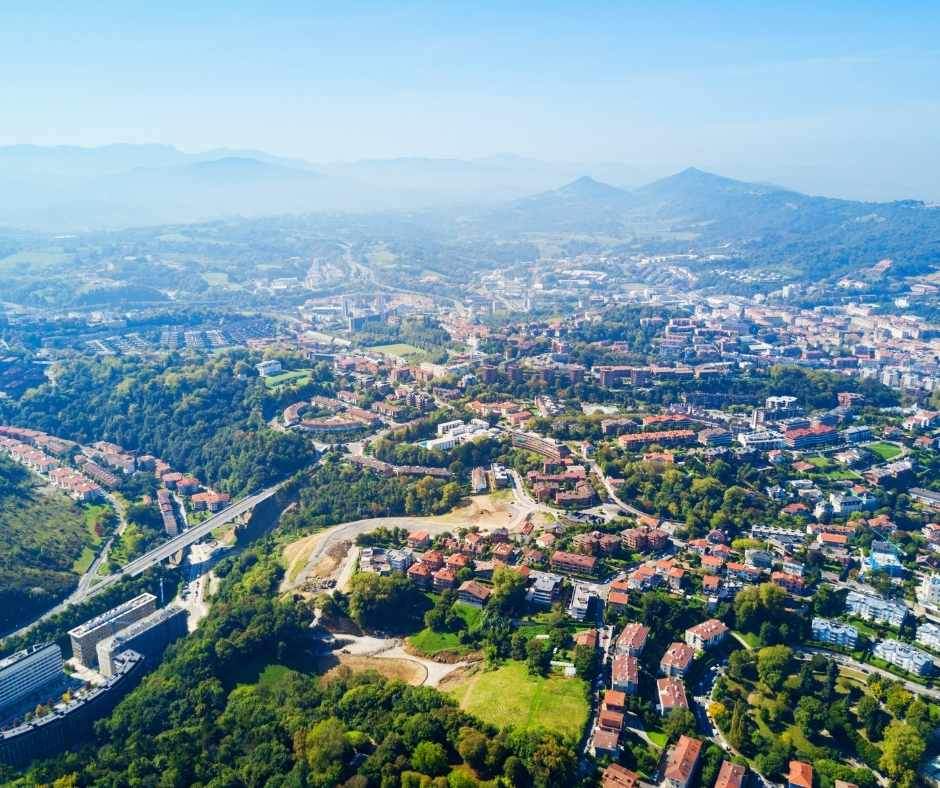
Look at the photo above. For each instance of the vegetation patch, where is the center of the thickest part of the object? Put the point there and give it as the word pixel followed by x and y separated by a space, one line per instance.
pixel 510 695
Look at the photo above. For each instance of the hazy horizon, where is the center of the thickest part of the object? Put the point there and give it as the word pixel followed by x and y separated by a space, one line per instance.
pixel 839 100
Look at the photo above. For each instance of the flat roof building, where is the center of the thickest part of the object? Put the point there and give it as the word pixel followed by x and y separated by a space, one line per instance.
pixel 86 637
pixel 26 671
pixel 149 637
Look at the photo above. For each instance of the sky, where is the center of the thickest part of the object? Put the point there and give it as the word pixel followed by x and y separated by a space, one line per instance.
pixel 838 98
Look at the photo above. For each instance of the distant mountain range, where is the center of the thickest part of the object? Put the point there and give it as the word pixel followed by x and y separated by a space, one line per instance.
pixel 69 188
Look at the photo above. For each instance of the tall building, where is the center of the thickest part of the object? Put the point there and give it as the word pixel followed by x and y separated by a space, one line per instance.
pixel 149 637
pixel 26 671
pixel 86 637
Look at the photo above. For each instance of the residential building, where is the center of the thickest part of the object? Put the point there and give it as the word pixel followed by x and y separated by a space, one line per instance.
pixel 25 672
pixel 418 540
pixel 792 583
pixel 149 637
pixel 625 674
pixel 616 776
pixel 826 630
pixel 444 578
pixel 400 560
pixel 545 588
pixel 267 368
pixel 420 574
pixel 731 775
pixel 573 563
pixel 706 635
pixel 800 775
pixel 581 598
pixel 677 659
pixel 632 639
pixel 86 637
pixel 869 607
pixel 682 762
pixel 929 635
pixel 670 693
pixel 928 592
pixel 473 593
pixel 904 656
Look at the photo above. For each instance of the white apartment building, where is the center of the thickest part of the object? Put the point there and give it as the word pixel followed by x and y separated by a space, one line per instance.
pixel 826 630
pixel 929 635
pixel 26 671
pixel 929 590
pixel 904 656
pixel 869 607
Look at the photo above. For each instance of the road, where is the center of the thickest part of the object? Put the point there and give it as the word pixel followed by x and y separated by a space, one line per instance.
pixel 171 546
pixel 806 652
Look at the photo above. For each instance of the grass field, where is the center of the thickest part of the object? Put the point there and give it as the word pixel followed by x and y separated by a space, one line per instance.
pixel 886 451
pixel 401 350
pixel 510 696
pixel 297 376
pixel 431 643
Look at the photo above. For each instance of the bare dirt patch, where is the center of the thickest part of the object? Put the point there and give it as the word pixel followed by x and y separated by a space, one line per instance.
pixel 483 511
pixel 397 669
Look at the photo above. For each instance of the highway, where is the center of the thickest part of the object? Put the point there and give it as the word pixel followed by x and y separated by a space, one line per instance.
pixel 188 537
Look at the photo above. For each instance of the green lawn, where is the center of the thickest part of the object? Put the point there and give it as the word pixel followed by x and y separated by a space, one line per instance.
pixel 298 376
pixel 658 738
pixel 886 451
pixel 819 461
pixel 510 696
pixel 83 561
pixel 409 353
pixel 431 643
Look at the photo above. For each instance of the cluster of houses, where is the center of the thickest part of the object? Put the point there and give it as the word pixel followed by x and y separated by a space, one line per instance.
pixel 344 415
pixel 29 448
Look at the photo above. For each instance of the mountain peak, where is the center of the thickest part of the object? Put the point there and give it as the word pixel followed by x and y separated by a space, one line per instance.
pixel 588 187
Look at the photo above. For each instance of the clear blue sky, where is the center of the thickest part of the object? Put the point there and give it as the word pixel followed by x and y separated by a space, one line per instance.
pixel 834 97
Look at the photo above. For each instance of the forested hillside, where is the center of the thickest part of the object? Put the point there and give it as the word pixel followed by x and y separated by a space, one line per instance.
pixel 234 705
pixel 204 417
pixel 42 536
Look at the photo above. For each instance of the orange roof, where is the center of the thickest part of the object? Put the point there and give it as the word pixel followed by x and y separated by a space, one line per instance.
pixel 683 759
pixel 801 774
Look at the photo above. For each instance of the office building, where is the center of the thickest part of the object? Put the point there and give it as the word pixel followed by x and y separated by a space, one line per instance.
pixel 86 637
pixel 27 671
pixel 149 637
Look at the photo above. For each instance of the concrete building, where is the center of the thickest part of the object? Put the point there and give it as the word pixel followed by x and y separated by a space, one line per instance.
pixel 706 635
pixel 149 637
pixel 545 588
pixel 625 674
pixel 929 635
pixel 86 637
pixel 928 592
pixel 27 671
pixel 869 607
pixel 904 656
pixel 581 598
pixel 826 630
pixel 682 762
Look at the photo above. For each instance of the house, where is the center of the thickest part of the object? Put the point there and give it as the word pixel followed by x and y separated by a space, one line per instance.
pixel 632 640
pixel 677 659
pixel 420 575
pixel 674 577
pixel 444 578
pixel 614 700
pixel 457 561
pixel 267 368
pixel 618 601
pixel 418 540
pixel 605 742
pixel 800 775
pixel 731 775
pixel 792 583
pixel 625 674
pixel 670 692
pixel 503 552
pixel 573 563
pixel 706 635
pixel 610 720
pixel 682 762
pixel 473 593
pixel 616 776
pixel 433 559
pixel 643 579
pixel 712 564
pixel 586 638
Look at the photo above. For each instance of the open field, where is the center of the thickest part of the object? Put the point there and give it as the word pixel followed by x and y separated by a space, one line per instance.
pixel 484 511
pixel 510 696
pixel 395 669
pixel 431 643
pixel 294 556
pixel 886 451
pixel 409 353
pixel 298 376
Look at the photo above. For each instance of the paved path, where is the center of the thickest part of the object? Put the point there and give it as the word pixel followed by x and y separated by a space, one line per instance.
pixel 806 652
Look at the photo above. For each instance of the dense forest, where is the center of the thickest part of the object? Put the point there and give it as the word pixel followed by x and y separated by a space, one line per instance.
pixel 204 418
pixel 42 536
pixel 234 705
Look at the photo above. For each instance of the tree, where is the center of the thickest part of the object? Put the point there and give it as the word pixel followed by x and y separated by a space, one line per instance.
pixel 471 746
pixel 902 749
pixel 810 715
pixel 898 700
pixel 509 590
pixel 518 645
pixel 539 659
pixel 586 662
pixel 829 685
pixel 869 715
pixel 739 731
pixel 429 757
pixel 773 663
pixel 326 748
pixel 679 722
